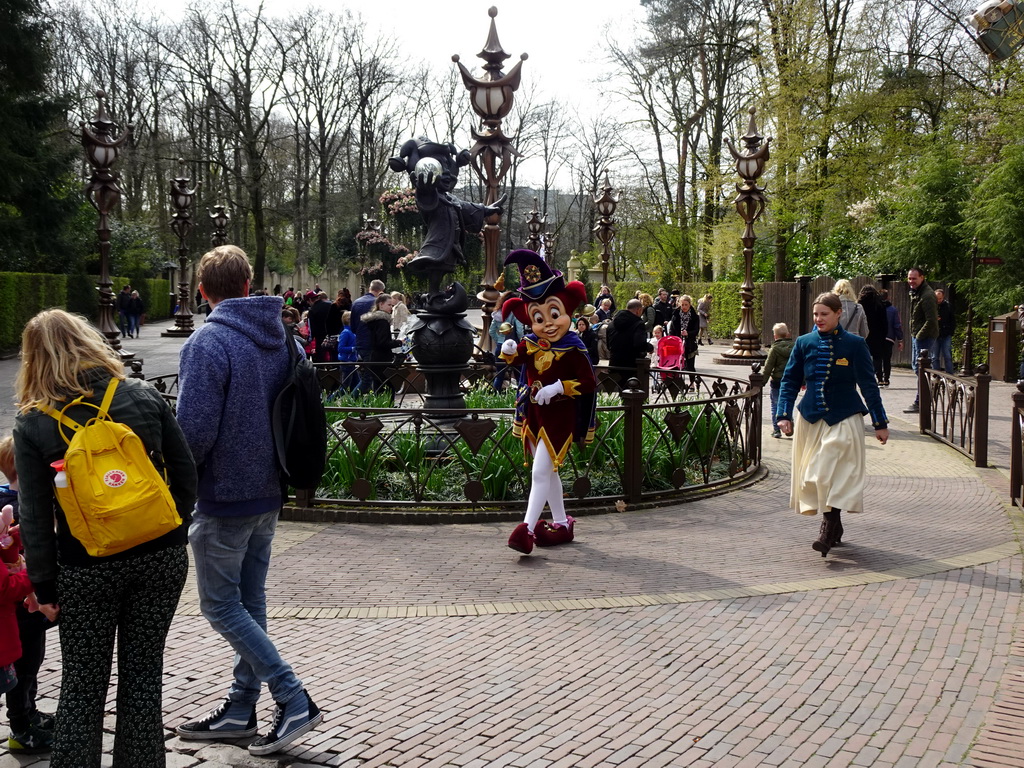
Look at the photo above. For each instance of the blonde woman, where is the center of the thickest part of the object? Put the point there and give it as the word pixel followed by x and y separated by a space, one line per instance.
pixel 647 312
pixel 132 595
pixel 853 318
pixel 400 311
pixel 686 326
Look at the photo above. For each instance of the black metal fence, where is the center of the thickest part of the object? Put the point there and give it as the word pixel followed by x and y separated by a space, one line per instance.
pixel 666 435
pixel 954 409
pixel 1017 447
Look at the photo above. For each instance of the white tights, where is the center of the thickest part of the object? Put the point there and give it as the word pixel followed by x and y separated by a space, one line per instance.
pixel 545 487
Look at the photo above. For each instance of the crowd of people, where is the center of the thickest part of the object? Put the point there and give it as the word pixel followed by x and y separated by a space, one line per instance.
pixel 668 330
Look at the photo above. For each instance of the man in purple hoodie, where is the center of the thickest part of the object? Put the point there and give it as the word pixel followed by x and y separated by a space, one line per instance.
pixel 230 372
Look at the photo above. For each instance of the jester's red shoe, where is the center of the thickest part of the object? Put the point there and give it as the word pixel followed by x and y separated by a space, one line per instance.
pixel 553 534
pixel 522 539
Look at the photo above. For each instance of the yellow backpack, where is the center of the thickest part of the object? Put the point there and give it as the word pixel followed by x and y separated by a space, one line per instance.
pixel 113 497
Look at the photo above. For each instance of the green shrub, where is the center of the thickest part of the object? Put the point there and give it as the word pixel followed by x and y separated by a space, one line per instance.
pixel 22 296
pixel 155 293
pixel 82 297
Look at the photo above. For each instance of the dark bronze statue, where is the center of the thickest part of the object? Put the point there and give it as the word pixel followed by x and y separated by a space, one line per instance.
pixel 433 169
pixel 442 336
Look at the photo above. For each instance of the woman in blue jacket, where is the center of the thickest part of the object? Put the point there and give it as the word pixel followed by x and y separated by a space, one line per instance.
pixel 828 447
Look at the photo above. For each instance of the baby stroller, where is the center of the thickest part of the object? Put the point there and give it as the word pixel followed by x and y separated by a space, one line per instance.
pixel 670 355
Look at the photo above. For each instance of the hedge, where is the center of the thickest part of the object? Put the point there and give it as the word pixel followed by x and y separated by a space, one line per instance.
pixel 23 295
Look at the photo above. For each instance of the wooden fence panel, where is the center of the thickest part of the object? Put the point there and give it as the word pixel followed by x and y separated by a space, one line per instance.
pixel 781 304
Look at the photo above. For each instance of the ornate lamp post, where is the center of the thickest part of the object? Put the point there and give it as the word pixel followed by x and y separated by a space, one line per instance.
pixel 534 224
pixel 103 192
pixel 605 227
pixel 181 225
pixel 492 152
pixel 371 232
pixel 550 240
pixel 220 219
pixel 750 204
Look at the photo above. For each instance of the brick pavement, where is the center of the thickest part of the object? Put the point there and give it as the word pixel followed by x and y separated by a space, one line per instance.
pixel 703 634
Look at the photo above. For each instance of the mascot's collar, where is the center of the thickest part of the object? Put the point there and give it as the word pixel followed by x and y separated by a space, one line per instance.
pixel 570 341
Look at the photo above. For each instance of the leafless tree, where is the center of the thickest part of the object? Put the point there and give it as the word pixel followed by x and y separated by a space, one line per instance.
pixel 240 61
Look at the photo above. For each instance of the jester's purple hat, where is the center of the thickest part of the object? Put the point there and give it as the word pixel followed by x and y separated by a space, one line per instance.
pixel 537 280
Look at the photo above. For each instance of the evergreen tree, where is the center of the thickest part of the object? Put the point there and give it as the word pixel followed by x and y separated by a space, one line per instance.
pixel 924 227
pixel 995 214
pixel 36 193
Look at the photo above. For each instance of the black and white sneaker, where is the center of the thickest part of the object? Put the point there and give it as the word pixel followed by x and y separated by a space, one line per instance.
pixel 291 720
pixel 42 720
pixel 231 720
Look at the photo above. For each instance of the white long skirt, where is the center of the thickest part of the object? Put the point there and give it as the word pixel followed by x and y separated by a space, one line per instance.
pixel 828 465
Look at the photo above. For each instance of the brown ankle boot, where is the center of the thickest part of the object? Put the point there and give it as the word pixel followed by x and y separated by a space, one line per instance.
pixel 827 533
pixel 837 539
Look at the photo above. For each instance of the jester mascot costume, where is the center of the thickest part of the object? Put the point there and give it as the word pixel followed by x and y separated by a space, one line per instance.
pixel 555 402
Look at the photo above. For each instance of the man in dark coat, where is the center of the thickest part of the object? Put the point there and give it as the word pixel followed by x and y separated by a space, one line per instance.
pixel 924 322
pixel 662 309
pixel 122 303
pixel 364 342
pixel 317 317
pixel 627 340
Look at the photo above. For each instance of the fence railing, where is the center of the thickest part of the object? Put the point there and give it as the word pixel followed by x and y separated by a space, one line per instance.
pixel 1017 447
pixel 954 409
pixel 670 435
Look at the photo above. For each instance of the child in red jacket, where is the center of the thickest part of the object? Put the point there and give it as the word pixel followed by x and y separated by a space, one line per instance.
pixel 14 588
pixel 31 730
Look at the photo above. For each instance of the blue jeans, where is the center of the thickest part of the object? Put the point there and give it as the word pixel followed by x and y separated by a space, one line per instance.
pixel 367 381
pixel 944 354
pixel 774 388
pixel 232 556
pixel 916 346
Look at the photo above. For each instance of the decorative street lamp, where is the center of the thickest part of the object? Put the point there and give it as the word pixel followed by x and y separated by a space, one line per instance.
pixel 181 225
pixel 534 224
pixel 492 152
pixel 370 233
pixel 750 204
pixel 605 227
pixel 103 192
pixel 220 219
pixel 550 240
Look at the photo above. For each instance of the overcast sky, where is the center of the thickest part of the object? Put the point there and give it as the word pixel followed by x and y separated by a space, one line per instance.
pixel 565 40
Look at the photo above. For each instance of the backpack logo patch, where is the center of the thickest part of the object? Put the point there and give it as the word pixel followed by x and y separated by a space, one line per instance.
pixel 115 478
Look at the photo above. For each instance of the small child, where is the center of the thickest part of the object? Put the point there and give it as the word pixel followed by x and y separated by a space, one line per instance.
pixel 775 365
pixel 31 730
